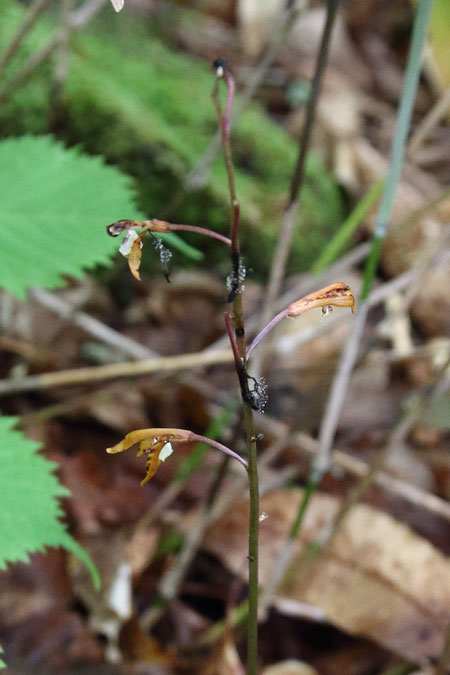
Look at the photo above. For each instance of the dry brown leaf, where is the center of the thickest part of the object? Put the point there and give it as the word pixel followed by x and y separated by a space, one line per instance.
pixel 135 644
pixel 377 578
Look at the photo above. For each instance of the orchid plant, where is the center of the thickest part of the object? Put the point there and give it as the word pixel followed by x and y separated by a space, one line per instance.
pixel 156 443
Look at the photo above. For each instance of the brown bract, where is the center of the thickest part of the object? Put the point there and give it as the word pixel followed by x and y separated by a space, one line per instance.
pixel 135 256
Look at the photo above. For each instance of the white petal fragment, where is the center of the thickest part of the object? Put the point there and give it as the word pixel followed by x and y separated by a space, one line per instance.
pixel 117 4
pixel 165 452
pixel 128 242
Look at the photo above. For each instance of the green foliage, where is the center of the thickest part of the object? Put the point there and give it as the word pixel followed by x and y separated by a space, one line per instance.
pixel 439 39
pixel 2 663
pixel 346 230
pixel 437 412
pixel 29 502
pixel 54 205
pixel 172 542
pixel 151 113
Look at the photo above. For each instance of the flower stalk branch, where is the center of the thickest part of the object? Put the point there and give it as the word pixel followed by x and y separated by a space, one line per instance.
pixel 338 295
pixel 223 72
pixel 162 226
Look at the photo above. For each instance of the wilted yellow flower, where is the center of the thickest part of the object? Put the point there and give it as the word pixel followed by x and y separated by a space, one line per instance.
pixel 156 444
pixel 152 442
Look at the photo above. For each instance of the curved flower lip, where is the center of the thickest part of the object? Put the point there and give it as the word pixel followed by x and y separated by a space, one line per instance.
pixel 338 294
pixel 169 435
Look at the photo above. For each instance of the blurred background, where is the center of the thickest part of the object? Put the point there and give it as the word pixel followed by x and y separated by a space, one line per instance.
pixel 134 89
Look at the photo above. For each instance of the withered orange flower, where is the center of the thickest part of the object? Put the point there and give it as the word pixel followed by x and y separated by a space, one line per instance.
pixel 156 444
pixel 338 295
pixel 132 244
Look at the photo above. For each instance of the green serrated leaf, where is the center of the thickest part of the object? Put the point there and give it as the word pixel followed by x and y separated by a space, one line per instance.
pixel 54 206
pixel 30 510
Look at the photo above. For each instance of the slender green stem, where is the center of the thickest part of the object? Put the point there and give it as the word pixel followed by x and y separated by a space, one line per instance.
pixel 420 29
pixel 311 106
pixel 310 488
pixel 334 405
pixel 348 227
pixel 239 347
pixel 253 544
pixel 34 11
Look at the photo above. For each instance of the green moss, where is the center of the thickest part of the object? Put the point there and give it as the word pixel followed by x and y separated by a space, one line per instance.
pixel 148 109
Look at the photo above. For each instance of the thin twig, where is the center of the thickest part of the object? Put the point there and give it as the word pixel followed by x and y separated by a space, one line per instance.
pixel 170 583
pixel 62 52
pixel 77 20
pixel 30 66
pixel 86 12
pixel 432 257
pixel 428 123
pixel 165 364
pixel 289 219
pixel 78 376
pixel 302 442
pixel 94 327
pixel 208 513
pixel 399 433
pixel 368 474
pixel 197 176
pixel 335 402
pixel 34 11
pixel 397 436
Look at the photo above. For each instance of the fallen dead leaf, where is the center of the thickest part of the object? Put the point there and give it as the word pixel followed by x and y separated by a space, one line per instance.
pixel 136 644
pixel 376 579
